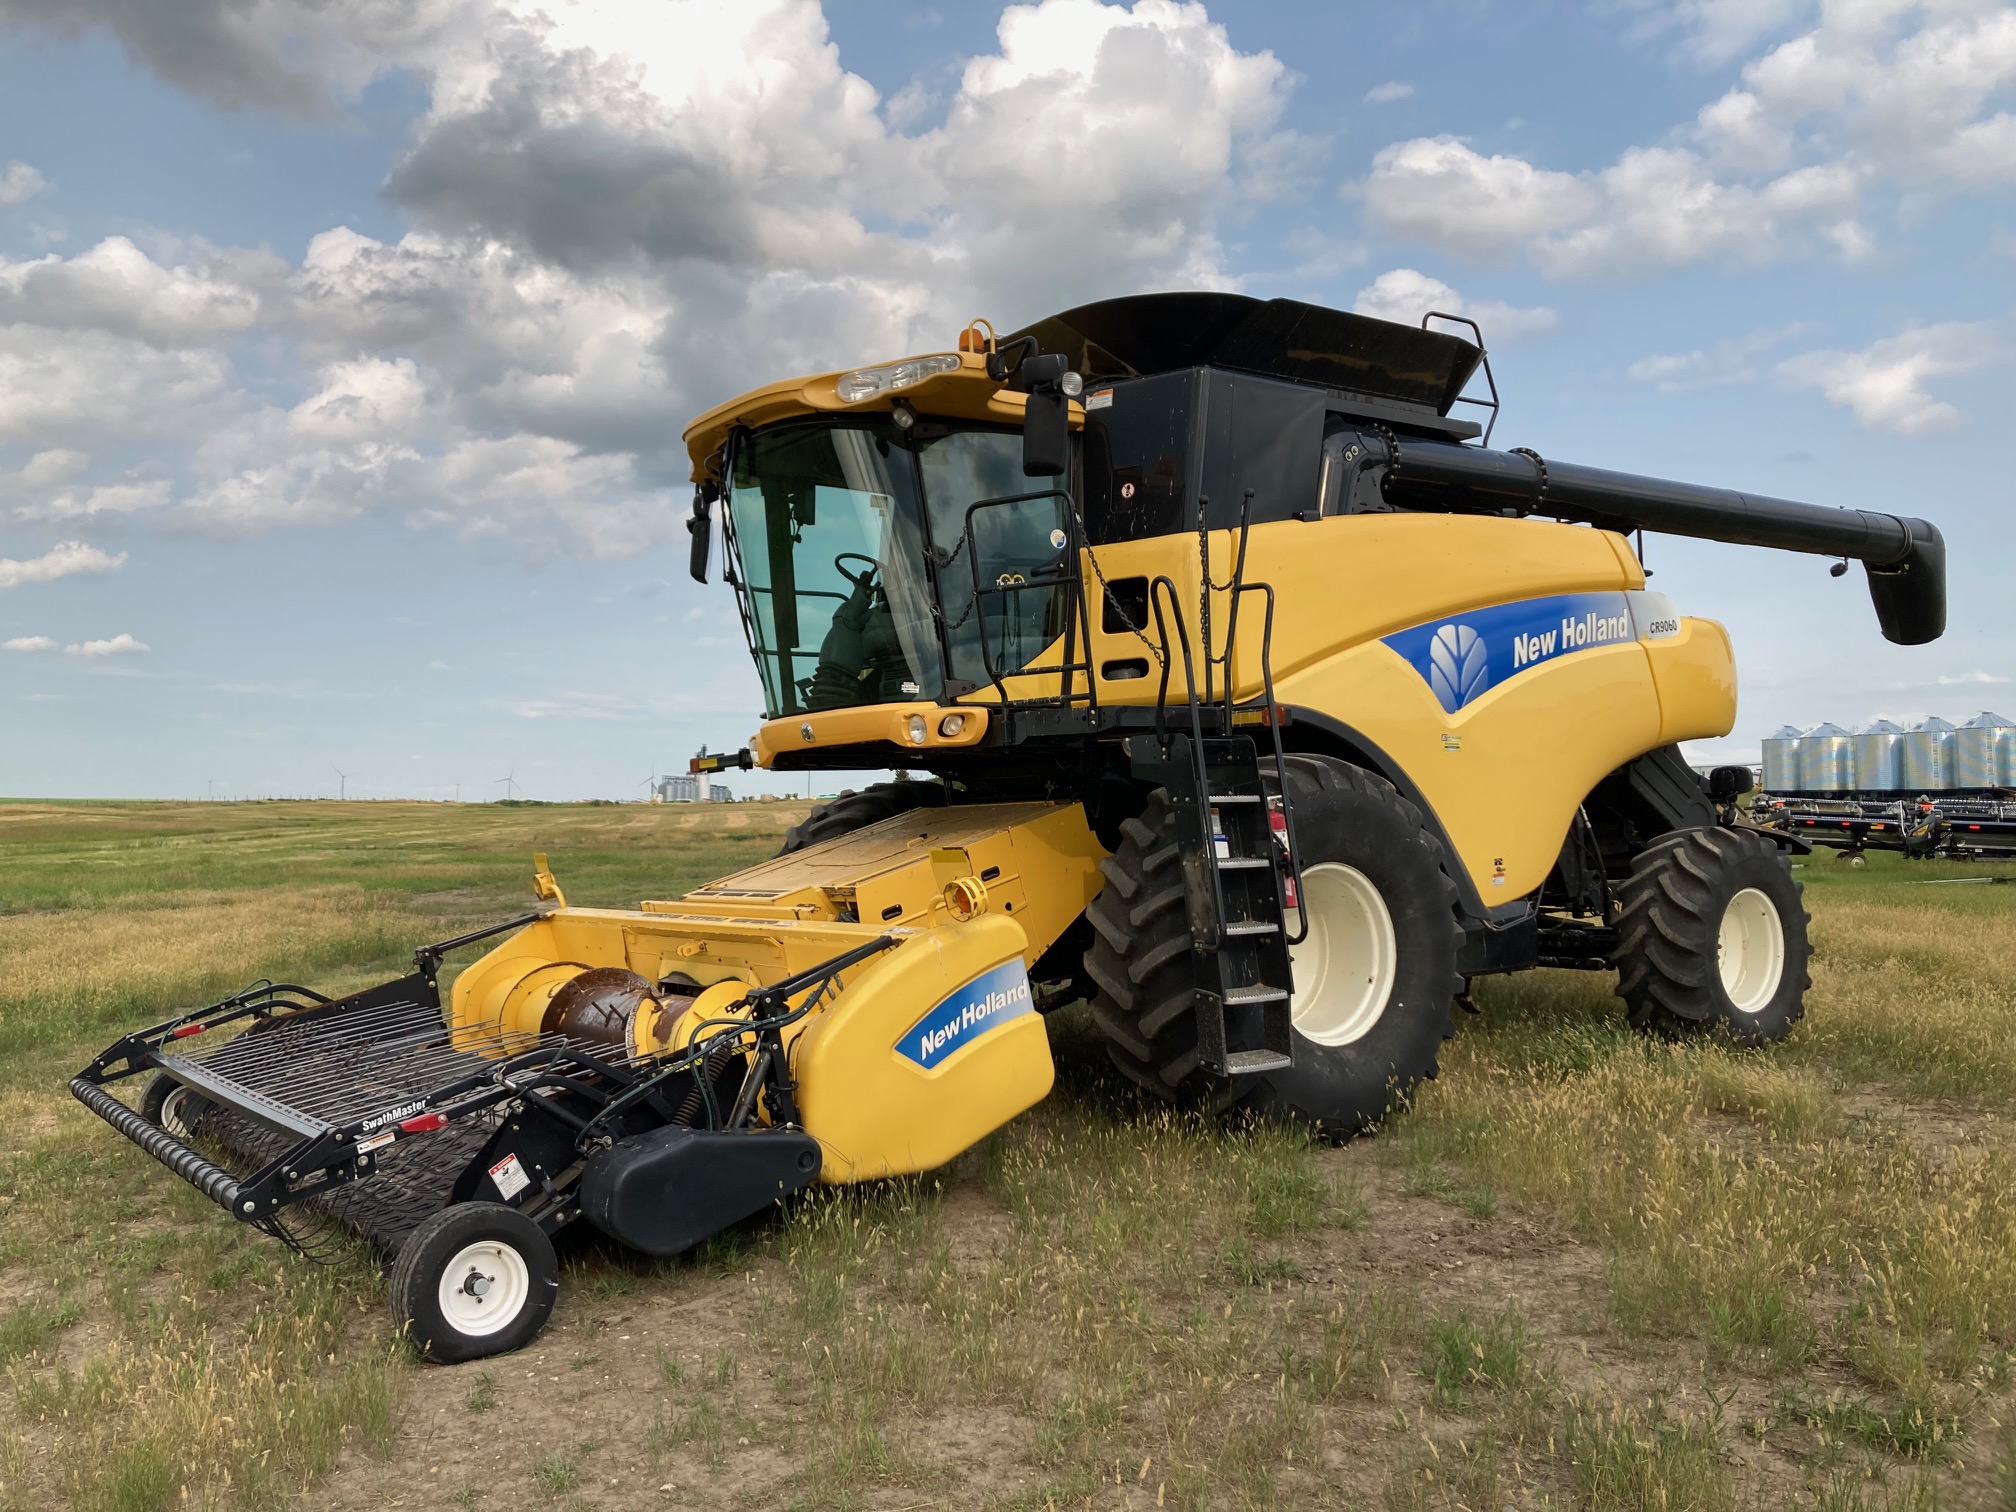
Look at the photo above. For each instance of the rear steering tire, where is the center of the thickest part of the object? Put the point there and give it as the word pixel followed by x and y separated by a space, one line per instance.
pixel 1374 979
pixel 853 811
pixel 1712 933
pixel 474 1280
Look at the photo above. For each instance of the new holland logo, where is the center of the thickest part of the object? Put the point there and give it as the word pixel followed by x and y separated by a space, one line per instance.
pixel 985 1003
pixel 1459 665
pixel 1461 660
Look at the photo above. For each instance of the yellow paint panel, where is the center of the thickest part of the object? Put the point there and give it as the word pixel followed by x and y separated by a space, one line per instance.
pixel 1506 773
pixel 1696 675
pixel 877 1113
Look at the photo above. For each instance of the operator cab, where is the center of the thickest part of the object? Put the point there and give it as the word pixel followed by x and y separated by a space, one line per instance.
pixel 867 575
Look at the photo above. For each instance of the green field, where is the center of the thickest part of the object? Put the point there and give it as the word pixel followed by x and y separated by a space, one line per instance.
pixel 1584 1270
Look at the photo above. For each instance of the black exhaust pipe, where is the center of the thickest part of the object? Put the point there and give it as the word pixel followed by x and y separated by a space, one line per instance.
pixel 1905 558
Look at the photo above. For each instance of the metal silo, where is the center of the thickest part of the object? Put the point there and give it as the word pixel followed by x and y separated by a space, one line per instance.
pixel 1878 763
pixel 1781 761
pixel 1977 751
pixel 1928 755
pixel 1826 760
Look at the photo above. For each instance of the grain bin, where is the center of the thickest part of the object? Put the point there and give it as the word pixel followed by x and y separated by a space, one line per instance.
pixel 1928 755
pixel 1826 760
pixel 1781 761
pixel 1977 750
pixel 1878 762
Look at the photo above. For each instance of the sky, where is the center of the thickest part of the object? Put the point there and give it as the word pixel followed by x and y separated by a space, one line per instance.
pixel 345 345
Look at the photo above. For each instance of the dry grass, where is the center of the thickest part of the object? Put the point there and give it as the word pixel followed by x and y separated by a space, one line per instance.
pixel 1584 1270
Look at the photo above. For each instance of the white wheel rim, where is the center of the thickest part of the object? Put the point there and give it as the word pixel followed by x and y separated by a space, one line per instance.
pixel 172 1121
pixel 1344 970
pixel 484 1288
pixel 1751 951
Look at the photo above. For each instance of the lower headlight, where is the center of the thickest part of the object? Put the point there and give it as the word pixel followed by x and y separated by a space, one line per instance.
pixel 952 726
pixel 916 729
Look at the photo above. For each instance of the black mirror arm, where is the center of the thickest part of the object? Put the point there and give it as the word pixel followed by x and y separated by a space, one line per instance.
pixel 701 528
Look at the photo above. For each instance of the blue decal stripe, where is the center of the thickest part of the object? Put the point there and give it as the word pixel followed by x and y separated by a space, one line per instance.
pixel 1463 656
pixel 987 1002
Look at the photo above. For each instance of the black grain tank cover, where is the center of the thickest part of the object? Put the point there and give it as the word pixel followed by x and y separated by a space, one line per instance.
pixel 664 1191
pixel 1144 334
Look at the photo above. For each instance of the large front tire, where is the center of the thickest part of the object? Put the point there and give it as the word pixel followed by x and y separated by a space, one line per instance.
pixel 853 811
pixel 1712 933
pixel 1374 979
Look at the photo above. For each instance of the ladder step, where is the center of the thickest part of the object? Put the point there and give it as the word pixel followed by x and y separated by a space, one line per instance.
pixel 1240 997
pixel 1256 1062
pixel 1211 798
pixel 1252 927
pixel 1241 863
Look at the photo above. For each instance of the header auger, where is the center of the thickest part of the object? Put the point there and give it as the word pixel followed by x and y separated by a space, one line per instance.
pixel 1245 695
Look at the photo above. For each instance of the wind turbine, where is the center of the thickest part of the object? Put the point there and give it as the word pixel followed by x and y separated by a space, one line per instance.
pixel 508 784
pixel 342 781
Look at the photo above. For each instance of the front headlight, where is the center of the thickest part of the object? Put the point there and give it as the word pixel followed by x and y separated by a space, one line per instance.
pixel 866 383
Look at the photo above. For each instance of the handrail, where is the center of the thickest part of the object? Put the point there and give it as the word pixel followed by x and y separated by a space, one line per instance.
pixel 1066 577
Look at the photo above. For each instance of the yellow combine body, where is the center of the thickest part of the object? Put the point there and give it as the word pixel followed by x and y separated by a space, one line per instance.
pixel 1246 697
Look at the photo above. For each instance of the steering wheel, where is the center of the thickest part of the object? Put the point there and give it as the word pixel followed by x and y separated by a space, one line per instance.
pixel 865 579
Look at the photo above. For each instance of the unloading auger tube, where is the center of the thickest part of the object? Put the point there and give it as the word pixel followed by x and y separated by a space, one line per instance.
pixel 1905 558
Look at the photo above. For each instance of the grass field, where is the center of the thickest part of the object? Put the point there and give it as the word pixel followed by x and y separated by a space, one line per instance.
pixel 1584 1270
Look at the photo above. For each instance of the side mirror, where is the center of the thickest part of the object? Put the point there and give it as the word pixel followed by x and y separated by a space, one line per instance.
pixel 701 527
pixel 1046 422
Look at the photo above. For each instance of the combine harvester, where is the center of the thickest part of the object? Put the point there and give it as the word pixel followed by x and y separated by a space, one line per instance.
pixel 1255 698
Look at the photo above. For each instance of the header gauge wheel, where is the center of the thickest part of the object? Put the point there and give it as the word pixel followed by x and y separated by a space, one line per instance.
pixel 1712 932
pixel 476 1279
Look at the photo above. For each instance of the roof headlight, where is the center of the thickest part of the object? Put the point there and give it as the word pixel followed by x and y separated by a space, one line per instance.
pixel 867 383
pixel 1073 384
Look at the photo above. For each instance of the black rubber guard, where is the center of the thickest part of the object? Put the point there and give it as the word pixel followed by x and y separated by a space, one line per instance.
pixel 665 1191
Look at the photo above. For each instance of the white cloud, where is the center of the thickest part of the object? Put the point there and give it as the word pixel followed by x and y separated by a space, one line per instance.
pixel 1973 679
pixel 1896 98
pixel 1405 295
pixel 1712 32
pixel 1387 93
pixel 1732 360
pixel 106 498
pixel 65 560
pixel 292 55
pixel 19 182
pixel 1883 385
pixel 1441 190
pixel 609 231
pixel 121 644
pixel 117 288
pixel 88 389
pixel 28 643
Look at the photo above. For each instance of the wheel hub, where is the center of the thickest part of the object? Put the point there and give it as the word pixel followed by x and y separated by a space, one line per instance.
pixel 484 1288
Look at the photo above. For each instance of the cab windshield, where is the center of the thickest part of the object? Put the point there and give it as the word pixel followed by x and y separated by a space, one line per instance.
pixel 856 566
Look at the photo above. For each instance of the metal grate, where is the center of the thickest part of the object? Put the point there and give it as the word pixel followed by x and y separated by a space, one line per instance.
pixel 330 1066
